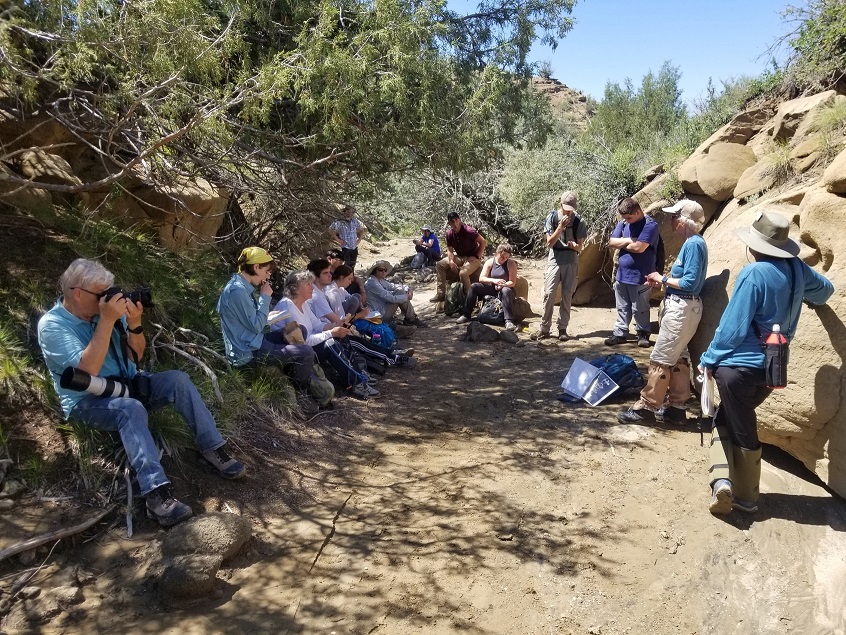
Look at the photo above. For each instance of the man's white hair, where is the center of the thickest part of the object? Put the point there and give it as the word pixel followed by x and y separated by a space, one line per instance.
pixel 85 274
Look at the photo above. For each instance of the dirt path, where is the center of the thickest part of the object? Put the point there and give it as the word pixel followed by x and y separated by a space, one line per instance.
pixel 470 500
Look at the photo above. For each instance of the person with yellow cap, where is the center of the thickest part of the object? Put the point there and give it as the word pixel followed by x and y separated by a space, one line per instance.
pixel 244 307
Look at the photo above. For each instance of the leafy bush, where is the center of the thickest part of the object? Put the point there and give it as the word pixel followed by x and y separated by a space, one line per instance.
pixel 819 43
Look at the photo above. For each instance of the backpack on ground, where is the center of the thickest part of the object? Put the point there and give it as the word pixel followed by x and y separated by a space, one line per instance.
pixel 455 298
pixel 522 309
pixel 387 338
pixel 623 370
pixel 492 312
pixel 419 260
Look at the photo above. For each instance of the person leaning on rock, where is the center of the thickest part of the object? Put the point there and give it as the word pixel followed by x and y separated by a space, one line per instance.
pixel 101 334
pixel 636 238
pixel 465 249
pixel 565 233
pixel 498 279
pixel 669 362
pixel 767 292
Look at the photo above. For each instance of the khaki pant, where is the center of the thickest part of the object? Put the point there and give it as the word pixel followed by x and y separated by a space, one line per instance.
pixel 467 267
pixel 565 275
pixel 405 308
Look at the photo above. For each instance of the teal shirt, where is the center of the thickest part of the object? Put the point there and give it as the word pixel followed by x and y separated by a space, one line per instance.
pixel 243 319
pixel 762 295
pixel 63 337
pixel 691 266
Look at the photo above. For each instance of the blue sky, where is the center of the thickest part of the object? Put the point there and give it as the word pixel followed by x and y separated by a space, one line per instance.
pixel 616 39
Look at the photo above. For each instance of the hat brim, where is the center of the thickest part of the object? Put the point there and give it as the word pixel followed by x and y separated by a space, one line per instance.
pixel 380 263
pixel 790 248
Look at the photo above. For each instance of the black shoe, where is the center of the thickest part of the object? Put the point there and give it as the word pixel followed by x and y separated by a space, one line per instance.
pixel 165 509
pixel 616 339
pixel 643 340
pixel 562 336
pixel 225 465
pixel 642 415
pixel 671 414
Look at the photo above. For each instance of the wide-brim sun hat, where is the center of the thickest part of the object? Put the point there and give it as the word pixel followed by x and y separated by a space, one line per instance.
pixel 687 208
pixel 426 228
pixel 380 263
pixel 768 235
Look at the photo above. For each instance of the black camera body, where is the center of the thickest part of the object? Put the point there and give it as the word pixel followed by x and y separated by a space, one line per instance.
pixel 144 296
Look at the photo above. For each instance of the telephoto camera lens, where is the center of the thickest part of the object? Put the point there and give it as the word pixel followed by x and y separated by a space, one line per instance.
pixel 75 379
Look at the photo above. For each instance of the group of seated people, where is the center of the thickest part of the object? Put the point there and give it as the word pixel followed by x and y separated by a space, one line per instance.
pixel 327 322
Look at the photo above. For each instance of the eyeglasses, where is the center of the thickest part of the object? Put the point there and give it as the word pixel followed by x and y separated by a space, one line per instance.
pixel 96 295
pixel 380 269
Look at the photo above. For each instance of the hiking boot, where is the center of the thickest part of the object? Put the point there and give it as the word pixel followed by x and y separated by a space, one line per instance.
pixel 404 330
pixel 616 339
pixel 562 336
pixel 643 340
pixel 537 336
pixel 462 319
pixel 405 361
pixel 363 391
pixel 438 298
pixel 747 507
pixel 671 414
pixel 165 509
pixel 640 415
pixel 224 464
pixel 404 352
pixel 721 497
pixel 306 404
pixel 510 326
pixel 415 321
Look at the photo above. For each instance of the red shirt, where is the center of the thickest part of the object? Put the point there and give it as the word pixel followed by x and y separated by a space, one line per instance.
pixel 463 242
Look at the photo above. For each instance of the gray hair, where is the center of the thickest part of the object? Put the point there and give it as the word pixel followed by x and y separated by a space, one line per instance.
pixel 570 198
pixel 691 225
pixel 295 280
pixel 85 274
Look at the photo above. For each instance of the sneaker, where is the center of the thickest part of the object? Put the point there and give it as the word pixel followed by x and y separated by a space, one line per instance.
pixel 671 414
pixel 538 336
pixel 438 298
pixel 165 509
pixel 721 497
pixel 462 319
pixel 363 391
pixel 510 326
pixel 642 341
pixel 404 330
pixel 306 404
pixel 616 339
pixel 747 507
pixel 641 415
pixel 407 362
pixel 224 464
pixel 562 336
pixel 404 352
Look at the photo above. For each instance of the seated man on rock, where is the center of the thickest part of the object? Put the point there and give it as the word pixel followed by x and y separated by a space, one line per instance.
pixel 95 330
pixel 498 278
pixel 465 248
pixel 386 297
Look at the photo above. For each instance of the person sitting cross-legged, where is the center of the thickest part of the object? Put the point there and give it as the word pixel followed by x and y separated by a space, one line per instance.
pixel 386 297
pixel 498 278
pixel 101 334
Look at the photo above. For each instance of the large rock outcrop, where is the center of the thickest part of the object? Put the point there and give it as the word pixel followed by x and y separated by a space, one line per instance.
pixel 808 418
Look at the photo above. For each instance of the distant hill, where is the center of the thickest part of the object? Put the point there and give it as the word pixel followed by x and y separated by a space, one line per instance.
pixel 567 103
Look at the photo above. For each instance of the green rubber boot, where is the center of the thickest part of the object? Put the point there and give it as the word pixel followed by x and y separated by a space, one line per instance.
pixel 721 471
pixel 747 479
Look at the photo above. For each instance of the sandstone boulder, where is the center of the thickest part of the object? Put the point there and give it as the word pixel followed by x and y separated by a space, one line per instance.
pixel 213 533
pixel 834 177
pixel 715 173
pixel 792 113
pixel 755 179
pixel 187 578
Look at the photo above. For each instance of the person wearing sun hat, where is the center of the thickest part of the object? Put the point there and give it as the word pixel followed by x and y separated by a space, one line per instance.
pixel 768 291
pixel 669 363
pixel 428 245
pixel 386 297
pixel 244 307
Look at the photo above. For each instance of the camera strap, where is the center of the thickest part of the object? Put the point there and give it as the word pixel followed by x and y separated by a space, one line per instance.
pixel 122 356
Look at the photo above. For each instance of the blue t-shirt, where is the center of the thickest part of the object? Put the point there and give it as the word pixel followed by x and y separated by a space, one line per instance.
pixel 63 337
pixel 634 268
pixel 762 295
pixel 691 266
pixel 436 246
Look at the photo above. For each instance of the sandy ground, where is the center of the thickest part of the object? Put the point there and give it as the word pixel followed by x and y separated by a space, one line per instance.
pixel 470 500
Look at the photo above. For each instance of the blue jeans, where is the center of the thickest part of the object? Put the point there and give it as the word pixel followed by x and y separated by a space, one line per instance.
pixel 296 359
pixel 129 418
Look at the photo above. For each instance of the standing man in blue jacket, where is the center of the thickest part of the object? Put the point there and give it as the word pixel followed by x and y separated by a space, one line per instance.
pixel 767 292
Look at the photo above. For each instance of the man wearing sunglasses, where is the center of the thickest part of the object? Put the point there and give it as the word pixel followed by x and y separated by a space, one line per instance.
pixel 636 238
pixel 85 330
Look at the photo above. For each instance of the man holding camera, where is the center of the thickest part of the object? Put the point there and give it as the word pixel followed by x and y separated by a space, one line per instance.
pixel 94 329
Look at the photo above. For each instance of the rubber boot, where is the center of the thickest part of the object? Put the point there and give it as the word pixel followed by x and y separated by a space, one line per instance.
pixel 657 383
pixel 721 470
pixel 680 384
pixel 747 478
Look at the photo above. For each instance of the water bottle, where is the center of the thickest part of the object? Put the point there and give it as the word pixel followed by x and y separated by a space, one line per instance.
pixel 377 339
pixel 776 353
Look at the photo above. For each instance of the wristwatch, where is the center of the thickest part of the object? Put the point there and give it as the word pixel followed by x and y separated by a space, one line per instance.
pixel 137 330
pixel 664 281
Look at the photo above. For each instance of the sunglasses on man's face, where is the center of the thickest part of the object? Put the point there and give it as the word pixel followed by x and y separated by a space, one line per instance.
pixel 381 269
